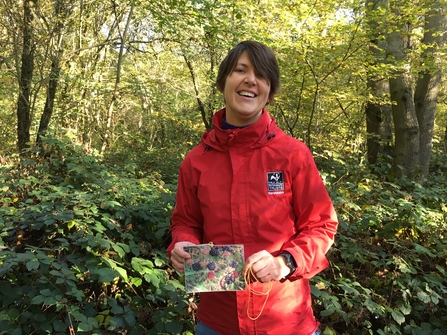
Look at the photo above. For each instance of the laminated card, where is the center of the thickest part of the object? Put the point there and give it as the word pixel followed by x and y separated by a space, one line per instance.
pixel 214 268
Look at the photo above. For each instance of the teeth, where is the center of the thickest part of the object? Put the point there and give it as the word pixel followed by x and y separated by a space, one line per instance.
pixel 247 94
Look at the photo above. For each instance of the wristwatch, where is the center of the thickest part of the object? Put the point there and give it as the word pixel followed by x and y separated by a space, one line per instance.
pixel 290 262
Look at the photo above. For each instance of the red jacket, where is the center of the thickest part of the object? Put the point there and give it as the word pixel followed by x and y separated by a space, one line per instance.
pixel 258 187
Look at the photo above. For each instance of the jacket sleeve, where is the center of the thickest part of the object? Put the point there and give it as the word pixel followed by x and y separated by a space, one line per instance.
pixel 316 220
pixel 187 219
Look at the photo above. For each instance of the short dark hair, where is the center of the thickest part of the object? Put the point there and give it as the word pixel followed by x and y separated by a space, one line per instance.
pixel 262 58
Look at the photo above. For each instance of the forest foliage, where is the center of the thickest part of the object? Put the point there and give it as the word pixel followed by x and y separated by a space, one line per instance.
pixel 121 90
pixel 82 248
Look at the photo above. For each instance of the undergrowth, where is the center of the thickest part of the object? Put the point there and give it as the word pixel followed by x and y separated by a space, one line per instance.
pixel 82 248
pixel 388 270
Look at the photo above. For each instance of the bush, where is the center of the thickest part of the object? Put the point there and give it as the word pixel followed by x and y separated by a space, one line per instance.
pixel 388 266
pixel 82 247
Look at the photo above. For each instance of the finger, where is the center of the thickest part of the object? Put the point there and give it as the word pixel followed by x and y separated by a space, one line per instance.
pixel 178 264
pixel 250 261
pixel 180 254
pixel 263 275
pixel 259 265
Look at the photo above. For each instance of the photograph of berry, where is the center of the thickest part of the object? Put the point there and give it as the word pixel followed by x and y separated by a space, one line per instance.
pixel 214 268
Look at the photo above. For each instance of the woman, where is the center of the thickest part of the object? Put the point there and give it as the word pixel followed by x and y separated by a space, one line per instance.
pixel 249 183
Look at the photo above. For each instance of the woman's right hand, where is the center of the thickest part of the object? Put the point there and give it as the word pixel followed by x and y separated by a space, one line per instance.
pixel 178 256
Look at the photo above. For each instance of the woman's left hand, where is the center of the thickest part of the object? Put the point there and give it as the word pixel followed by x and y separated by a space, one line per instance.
pixel 266 267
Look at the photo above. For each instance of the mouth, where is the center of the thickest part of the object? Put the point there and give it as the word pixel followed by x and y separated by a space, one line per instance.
pixel 247 94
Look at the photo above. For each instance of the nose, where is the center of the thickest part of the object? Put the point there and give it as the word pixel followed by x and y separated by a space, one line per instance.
pixel 250 77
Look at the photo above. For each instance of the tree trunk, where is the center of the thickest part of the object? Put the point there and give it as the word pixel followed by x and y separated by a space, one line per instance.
pixel 26 76
pixel 60 13
pixel 202 107
pixel 406 149
pixel 378 113
pixel 117 81
pixel 379 121
pixel 429 83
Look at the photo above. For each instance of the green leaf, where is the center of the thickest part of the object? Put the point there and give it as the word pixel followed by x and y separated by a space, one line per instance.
pixel 112 204
pixel 174 327
pixel 33 264
pixel 38 299
pixel 88 325
pixel 59 326
pixel 329 331
pixel 327 312
pixel 119 250
pixel 142 265
pixel 117 309
pixel 398 317
pixel 13 313
pixel 79 316
pixel 50 301
pixel 152 278
pixel 130 318
pixel 40 317
pixel 46 292
pixel 106 275
pixel 348 289
pixel 424 297
pixel 125 247
pixel 122 272
pixel 136 281
pixel 405 309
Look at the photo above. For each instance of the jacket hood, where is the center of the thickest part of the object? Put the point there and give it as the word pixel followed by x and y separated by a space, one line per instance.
pixel 258 134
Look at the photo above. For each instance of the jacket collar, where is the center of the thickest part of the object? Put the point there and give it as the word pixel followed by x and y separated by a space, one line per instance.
pixel 254 135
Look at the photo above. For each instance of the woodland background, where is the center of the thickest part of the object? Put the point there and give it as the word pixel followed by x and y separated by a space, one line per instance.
pixel 101 99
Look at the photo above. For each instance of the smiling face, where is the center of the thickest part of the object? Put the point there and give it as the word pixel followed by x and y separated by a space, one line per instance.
pixel 246 93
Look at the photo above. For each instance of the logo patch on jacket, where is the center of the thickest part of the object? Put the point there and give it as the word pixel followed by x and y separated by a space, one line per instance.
pixel 275 182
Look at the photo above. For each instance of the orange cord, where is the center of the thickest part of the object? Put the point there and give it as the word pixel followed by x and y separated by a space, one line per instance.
pixel 249 273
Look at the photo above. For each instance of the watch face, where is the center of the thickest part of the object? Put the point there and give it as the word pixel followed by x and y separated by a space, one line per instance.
pixel 289 261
